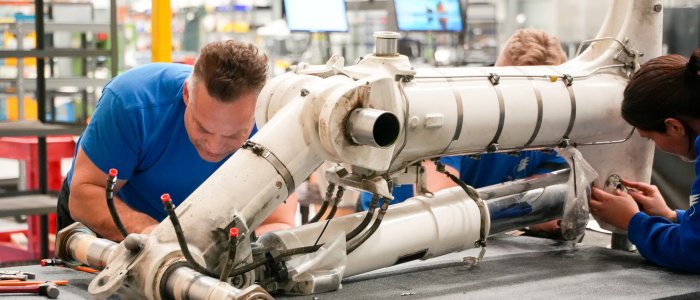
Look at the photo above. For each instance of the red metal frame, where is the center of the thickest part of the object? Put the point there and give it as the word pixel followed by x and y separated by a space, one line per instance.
pixel 25 149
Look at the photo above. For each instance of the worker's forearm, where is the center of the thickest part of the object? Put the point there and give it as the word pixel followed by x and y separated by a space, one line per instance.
pixel 88 205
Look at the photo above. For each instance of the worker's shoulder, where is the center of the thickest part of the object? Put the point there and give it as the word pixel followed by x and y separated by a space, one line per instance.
pixel 150 85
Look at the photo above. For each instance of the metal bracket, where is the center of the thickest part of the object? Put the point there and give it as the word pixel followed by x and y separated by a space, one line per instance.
pixel 564 142
pixel 404 77
pixel 629 57
pixel 281 169
pixel 568 79
pixel 494 78
pixel 493 147
pixel 375 185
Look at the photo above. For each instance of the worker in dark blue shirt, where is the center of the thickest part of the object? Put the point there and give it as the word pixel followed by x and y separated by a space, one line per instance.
pixel 662 101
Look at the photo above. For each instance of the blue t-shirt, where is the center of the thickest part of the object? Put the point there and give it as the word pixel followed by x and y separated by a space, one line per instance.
pixel 671 245
pixel 138 128
pixel 489 169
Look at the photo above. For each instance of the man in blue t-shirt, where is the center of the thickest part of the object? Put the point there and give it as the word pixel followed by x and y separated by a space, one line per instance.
pixel 166 128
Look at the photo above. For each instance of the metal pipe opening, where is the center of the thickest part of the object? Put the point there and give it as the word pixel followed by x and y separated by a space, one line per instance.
pixel 373 127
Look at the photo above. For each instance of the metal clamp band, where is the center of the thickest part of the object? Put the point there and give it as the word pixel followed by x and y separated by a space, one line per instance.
pixel 460 112
pixel 501 120
pixel 572 116
pixel 474 195
pixel 281 169
pixel 568 79
pixel 538 96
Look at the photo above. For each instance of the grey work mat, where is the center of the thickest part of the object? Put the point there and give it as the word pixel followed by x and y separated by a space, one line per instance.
pixel 523 268
pixel 513 268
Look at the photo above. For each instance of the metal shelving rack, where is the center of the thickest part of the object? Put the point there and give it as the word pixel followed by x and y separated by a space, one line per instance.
pixel 41 128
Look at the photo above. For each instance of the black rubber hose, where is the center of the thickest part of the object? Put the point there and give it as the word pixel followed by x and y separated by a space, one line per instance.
pixel 338 198
pixel 366 220
pixel 319 214
pixel 232 244
pixel 181 238
pixel 109 190
pixel 359 241
pixel 248 267
pixel 309 249
pixel 349 236
pixel 324 206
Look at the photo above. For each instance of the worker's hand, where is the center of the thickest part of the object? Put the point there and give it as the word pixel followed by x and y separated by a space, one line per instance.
pixel 551 227
pixel 616 209
pixel 649 199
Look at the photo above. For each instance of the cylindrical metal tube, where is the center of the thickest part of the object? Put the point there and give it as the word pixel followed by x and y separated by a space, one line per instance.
pixel 91 250
pixel 386 43
pixel 528 208
pixel 476 116
pixel 446 222
pixel 523 185
pixel 185 283
pixel 373 127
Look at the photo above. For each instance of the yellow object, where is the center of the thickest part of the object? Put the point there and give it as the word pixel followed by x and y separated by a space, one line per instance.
pixel 161 33
pixel 553 78
pixel 282 64
pixel 29 43
pixel 30 108
pixel 241 27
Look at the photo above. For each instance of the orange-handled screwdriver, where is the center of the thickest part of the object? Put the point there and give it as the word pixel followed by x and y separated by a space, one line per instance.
pixel 24 283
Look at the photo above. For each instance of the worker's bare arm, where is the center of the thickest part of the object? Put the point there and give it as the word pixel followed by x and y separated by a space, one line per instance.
pixel 88 205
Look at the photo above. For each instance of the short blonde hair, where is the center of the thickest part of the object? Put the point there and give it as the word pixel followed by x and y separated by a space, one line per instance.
pixel 533 47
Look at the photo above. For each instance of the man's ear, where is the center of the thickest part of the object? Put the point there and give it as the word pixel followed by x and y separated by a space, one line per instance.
pixel 186 92
pixel 675 127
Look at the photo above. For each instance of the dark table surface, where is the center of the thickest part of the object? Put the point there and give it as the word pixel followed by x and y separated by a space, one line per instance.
pixel 513 268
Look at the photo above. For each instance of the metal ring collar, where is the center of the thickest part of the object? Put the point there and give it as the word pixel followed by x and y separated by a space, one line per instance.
pixel 281 169
pixel 472 193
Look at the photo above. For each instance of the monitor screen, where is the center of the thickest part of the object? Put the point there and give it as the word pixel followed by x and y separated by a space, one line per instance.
pixel 316 16
pixel 428 15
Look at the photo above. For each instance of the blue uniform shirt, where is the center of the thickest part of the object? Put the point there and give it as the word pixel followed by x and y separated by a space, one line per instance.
pixel 489 169
pixel 671 245
pixel 138 128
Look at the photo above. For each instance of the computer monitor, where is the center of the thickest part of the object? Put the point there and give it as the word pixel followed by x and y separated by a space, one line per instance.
pixel 428 15
pixel 316 16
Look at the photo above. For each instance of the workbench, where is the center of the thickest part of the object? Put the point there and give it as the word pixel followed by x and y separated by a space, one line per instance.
pixel 513 267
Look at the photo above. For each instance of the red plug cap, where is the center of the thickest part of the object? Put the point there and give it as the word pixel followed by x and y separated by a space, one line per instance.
pixel 165 198
pixel 102 36
pixel 233 232
pixel 43 262
pixel 113 172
